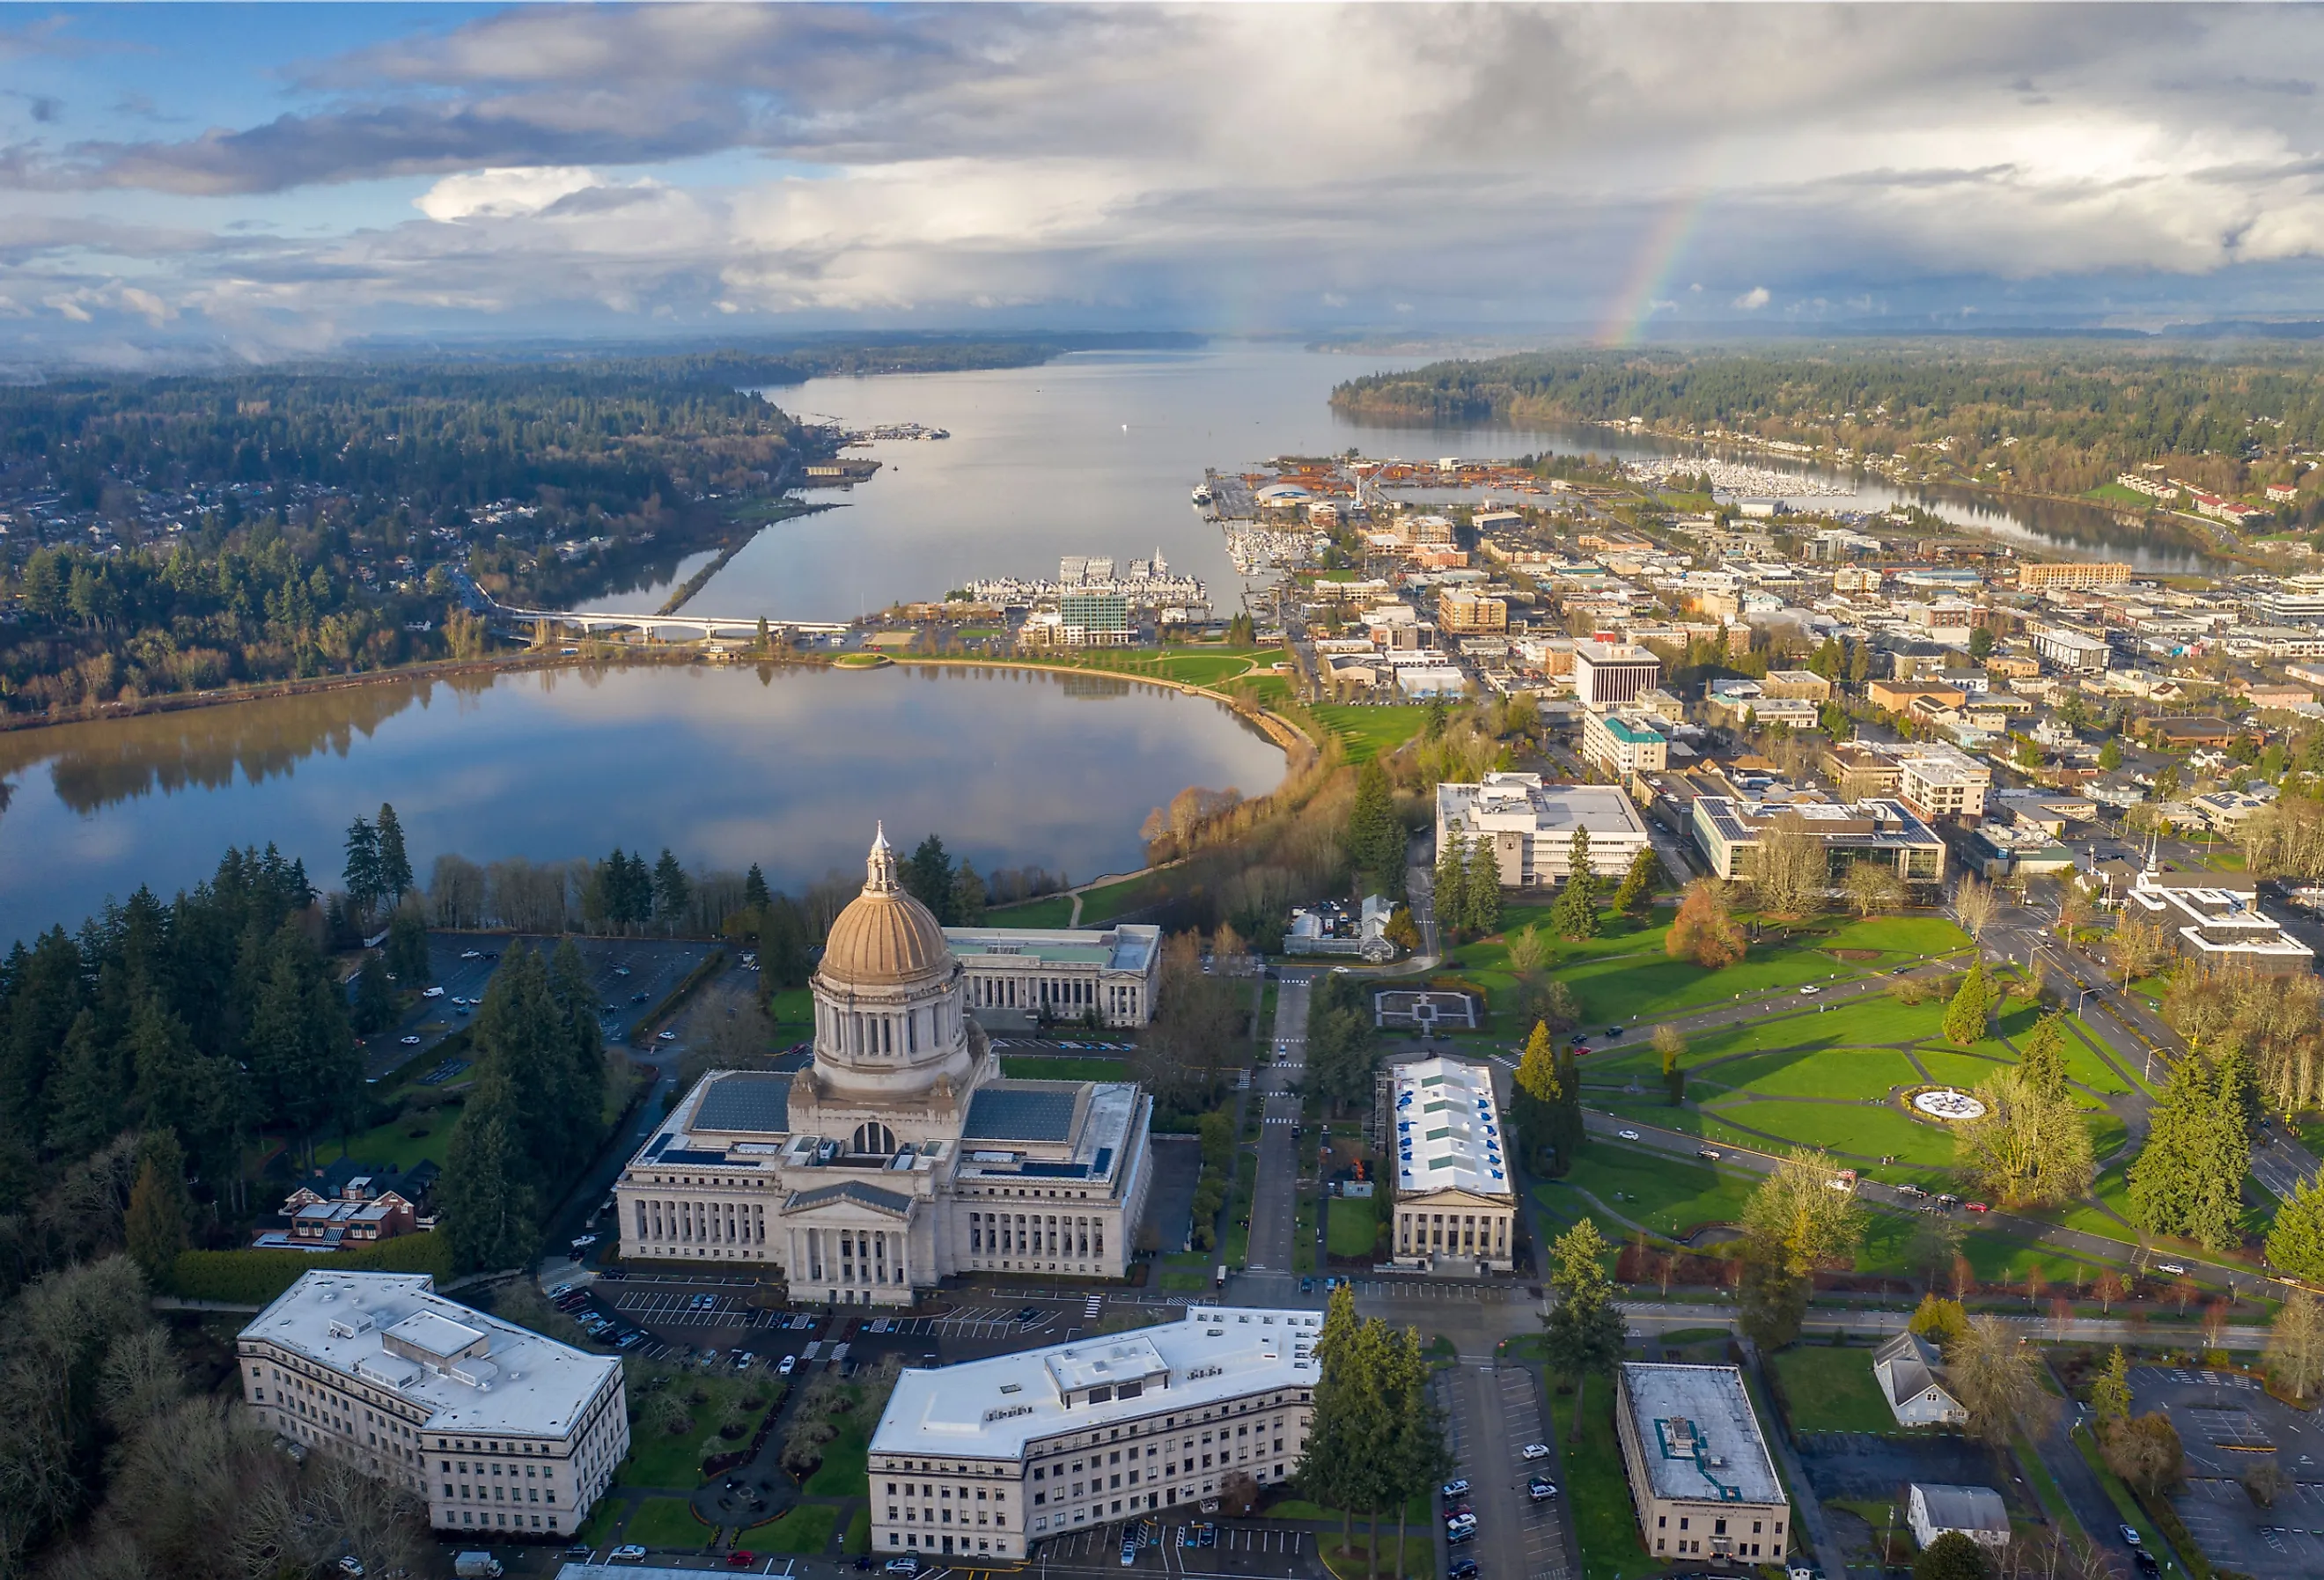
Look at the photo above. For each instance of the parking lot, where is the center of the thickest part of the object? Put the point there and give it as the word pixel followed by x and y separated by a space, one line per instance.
pixel 1233 1550
pixel 630 976
pixel 2226 1425
pixel 1492 1412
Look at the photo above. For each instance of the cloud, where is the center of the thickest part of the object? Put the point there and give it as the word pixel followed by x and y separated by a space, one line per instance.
pixel 711 163
pixel 500 193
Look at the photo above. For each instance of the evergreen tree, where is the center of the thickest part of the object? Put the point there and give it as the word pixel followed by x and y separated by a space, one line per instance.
pixel 375 1002
pixel 1451 893
pixel 1538 1090
pixel 1639 882
pixel 755 889
pixel 2043 1062
pixel 1567 1131
pixel 90 1088
pixel 2295 1244
pixel 1483 891
pixel 1418 1454
pixel 489 1203
pixel 1349 1420
pixel 2110 1391
pixel 161 1210
pixel 301 1054
pixel 407 949
pixel 1582 1335
pixel 673 891
pixel 2109 755
pixel 573 992
pixel 1375 839
pixel 1575 915
pixel 2188 1179
pixel 394 865
pixel 927 877
pixel 45 994
pixel 967 896
pixel 1965 1017
pixel 362 874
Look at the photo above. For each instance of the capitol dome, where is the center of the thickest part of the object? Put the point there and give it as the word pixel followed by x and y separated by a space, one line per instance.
pixel 885 938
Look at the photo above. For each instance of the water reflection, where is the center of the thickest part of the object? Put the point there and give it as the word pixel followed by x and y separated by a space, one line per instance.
pixel 785 767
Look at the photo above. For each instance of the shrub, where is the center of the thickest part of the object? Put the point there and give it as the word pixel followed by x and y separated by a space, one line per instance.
pixel 245 1277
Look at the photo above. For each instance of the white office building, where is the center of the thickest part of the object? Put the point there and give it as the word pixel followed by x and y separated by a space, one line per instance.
pixel 1531 826
pixel 1455 1208
pixel 1608 674
pixel 985 1459
pixel 498 1428
pixel 1115 972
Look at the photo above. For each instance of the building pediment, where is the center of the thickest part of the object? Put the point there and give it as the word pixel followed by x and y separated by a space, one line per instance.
pixel 1438 1200
pixel 852 1193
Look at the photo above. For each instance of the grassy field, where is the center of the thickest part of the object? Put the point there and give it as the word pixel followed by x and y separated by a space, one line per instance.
pixel 1809 1071
pixel 858 1539
pixel 1049 910
pixel 793 1013
pixel 1367 732
pixel 1038 1067
pixel 1353 1227
pixel 1597 1495
pixel 1666 1194
pixel 666 1523
pixel 845 1458
pixel 674 1459
pixel 1183 1272
pixel 1111 900
pixel 1832 1390
pixel 807 1528
pixel 2116 494
pixel 393 1145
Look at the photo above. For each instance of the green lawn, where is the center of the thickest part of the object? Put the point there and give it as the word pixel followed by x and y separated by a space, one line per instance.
pixel 846 1458
pixel 1597 1495
pixel 674 1459
pixel 1111 900
pixel 1367 732
pixel 806 1529
pixel 1858 1131
pixel 1829 1072
pixel 1831 1388
pixel 1626 989
pixel 793 1013
pixel 858 1540
pixel 1353 1227
pixel 1964 1070
pixel 1050 910
pixel 1040 1066
pixel 667 1522
pixel 394 1146
pixel 1665 1193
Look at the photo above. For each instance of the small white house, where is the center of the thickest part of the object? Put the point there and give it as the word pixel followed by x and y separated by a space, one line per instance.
pixel 1977 1512
pixel 1911 1372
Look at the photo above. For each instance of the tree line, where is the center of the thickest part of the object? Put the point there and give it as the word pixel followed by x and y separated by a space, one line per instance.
pixel 1376 1440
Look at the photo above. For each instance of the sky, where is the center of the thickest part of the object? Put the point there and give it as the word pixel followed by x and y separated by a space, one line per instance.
pixel 280 181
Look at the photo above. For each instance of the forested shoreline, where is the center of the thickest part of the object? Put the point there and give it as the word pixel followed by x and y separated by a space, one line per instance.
pixel 2060 418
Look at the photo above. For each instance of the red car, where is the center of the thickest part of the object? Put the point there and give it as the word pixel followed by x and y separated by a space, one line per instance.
pixel 1979 1207
pixel 741 1558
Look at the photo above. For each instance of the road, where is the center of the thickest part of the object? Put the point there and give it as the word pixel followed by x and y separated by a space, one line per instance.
pixel 1274 1199
pixel 1492 1411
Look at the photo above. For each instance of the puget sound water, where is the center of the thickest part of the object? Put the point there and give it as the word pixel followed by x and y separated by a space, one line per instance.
pixel 786 766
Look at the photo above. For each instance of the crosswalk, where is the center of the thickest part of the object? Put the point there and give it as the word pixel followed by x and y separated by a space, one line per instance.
pixel 1090 1309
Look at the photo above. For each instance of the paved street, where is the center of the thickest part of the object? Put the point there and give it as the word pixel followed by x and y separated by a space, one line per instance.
pixel 1274 1208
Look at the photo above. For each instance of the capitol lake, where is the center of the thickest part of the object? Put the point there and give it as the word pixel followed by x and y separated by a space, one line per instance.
pixel 785 766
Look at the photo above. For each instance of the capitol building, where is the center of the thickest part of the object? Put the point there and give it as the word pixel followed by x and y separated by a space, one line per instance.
pixel 900 1155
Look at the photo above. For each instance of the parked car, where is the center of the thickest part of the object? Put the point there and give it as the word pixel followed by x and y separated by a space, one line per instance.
pixel 741 1558
pixel 903 1566
pixel 1128 1551
pixel 631 1554
pixel 1460 1569
pixel 1456 1488
pixel 1979 1207
pixel 2144 1562
pixel 2129 1534
pixel 1028 1315
pixel 1535 1451
pixel 1308 1285
pixel 1455 1536
pixel 1538 1488
pixel 785 1369
pixel 1799 1569
pixel 411 1041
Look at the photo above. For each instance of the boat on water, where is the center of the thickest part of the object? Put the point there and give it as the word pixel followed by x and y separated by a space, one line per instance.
pixel 1202 493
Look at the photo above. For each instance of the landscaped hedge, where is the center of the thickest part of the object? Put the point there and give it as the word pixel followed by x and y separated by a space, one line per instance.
pixel 255 1277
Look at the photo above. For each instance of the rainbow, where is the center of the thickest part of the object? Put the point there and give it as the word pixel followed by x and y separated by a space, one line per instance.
pixel 1659 251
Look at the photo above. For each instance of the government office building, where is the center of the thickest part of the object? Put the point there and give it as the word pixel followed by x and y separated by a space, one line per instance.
pixel 900 1155
pixel 988 1458
pixel 497 1426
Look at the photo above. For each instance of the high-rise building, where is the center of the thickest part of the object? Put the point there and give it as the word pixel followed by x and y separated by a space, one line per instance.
pixel 1608 674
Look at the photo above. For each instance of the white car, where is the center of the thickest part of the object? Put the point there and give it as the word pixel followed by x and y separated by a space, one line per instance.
pixel 2172 1267
pixel 1810 988
pixel 631 1553
pixel 411 1041
pixel 472 954
pixel 582 1241
pixel 432 992
pixel 1627 1135
pixel 665 1036
pixel 1535 1451
pixel 785 1369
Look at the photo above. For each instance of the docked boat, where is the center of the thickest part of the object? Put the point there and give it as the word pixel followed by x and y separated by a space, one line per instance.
pixel 1202 493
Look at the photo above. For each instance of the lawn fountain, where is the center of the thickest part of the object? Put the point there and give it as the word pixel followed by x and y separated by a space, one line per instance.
pixel 1950 1105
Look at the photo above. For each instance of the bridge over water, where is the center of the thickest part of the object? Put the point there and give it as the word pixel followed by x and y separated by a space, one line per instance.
pixel 705 626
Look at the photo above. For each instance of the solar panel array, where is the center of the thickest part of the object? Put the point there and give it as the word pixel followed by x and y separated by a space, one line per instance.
pixel 747 1100
pixel 1004 1114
